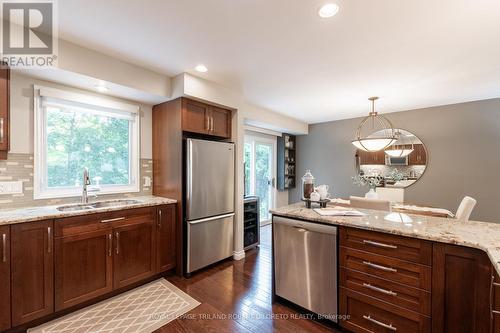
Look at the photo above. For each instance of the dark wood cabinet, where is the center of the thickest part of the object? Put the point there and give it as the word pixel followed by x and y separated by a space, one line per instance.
pixel 495 304
pixel 4 278
pixel 83 267
pixel 4 110
pixel 32 274
pixel 373 158
pixel 135 252
pixel 198 117
pixel 418 156
pixel 461 290
pixel 220 122
pixel 165 238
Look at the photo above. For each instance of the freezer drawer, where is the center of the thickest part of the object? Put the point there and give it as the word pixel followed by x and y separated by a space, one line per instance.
pixel 209 240
pixel 305 263
pixel 210 178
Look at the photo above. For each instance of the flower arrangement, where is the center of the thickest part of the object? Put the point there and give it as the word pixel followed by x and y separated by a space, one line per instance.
pixel 371 181
pixel 396 175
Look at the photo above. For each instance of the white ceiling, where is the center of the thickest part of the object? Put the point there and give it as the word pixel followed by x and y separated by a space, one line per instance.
pixel 282 56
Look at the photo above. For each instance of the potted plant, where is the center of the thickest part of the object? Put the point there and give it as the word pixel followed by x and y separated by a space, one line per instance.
pixel 371 181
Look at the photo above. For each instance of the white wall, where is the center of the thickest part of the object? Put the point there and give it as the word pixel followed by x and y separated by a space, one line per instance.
pixel 21 112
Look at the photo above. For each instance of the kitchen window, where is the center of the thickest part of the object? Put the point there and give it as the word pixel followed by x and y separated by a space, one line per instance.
pixel 77 131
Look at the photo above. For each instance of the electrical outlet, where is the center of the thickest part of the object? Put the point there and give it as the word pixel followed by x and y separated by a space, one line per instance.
pixel 15 187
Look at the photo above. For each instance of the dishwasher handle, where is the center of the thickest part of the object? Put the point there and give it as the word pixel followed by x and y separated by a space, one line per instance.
pixel 306 226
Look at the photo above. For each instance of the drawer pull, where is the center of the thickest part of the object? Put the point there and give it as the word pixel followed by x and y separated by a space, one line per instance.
pixel 380 290
pixel 382 268
pixel 386 246
pixel 49 239
pixel 159 218
pixel 496 284
pixel 495 312
pixel 113 220
pixel 379 323
pixel 4 248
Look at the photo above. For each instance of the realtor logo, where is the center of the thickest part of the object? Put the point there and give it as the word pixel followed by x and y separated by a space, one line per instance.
pixel 29 36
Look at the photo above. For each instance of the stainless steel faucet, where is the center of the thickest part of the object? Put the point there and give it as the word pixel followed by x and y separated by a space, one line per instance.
pixel 86 183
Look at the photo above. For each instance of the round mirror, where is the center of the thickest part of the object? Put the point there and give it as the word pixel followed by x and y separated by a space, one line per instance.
pixel 399 165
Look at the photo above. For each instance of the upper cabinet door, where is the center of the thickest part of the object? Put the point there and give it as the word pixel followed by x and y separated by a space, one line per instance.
pixel 32 268
pixel 418 156
pixel 5 278
pixel 220 122
pixel 4 111
pixel 195 117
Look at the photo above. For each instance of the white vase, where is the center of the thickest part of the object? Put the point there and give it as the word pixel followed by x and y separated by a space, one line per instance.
pixel 371 194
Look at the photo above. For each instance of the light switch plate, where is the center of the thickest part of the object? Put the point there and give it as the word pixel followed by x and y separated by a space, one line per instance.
pixel 15 187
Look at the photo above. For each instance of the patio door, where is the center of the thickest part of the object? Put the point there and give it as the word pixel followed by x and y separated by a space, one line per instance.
pixel 260 172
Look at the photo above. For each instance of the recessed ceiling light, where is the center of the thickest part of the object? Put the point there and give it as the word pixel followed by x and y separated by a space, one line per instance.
pixel 328 10
pixel 201 68
pixel 101 88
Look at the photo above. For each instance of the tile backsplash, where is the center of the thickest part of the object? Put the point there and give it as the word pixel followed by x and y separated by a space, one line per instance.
pixel 19 167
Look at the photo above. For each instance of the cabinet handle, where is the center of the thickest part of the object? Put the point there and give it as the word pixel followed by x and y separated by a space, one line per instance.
pixel 49 239
pixel 110 244
pixel 382 268
pixel 379 323
pixel 1 130
pixel 212 123
pixel 492 312
pixel 4 248
pixel 113 220
pixel 159 219
pixel 117 234
pixel 387 246
pixel 207 123
pixel 380 290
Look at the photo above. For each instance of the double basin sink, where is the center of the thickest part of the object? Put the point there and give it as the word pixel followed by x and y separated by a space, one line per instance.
pixel 97 205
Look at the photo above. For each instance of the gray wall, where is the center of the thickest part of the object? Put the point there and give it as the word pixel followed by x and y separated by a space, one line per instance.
pixel 463 143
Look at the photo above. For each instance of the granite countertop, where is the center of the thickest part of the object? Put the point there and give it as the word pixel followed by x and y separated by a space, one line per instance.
pixel 36 213
pixel 481 235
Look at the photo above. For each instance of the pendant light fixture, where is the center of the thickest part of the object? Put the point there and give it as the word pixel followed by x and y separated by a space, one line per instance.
pixel 381 132
pixel 402 147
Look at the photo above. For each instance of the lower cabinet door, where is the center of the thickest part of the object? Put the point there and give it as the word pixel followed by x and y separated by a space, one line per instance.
pixel 166 238
pixel 461 290
pixel 32 271
pixel 4 278
pixel 135 253
pixel 83 267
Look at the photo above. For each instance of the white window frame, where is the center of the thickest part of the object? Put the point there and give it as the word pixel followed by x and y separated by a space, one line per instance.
pixel 40 189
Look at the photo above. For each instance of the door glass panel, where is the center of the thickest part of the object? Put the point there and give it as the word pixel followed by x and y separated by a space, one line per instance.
pixel 263 158
pixel 248 166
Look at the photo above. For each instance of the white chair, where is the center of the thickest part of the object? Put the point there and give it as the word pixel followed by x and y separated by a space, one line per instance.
pixel 374 204
pixel 391 194
pixel 465 209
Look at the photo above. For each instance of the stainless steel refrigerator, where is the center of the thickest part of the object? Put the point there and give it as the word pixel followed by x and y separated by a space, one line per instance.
pixel 209 202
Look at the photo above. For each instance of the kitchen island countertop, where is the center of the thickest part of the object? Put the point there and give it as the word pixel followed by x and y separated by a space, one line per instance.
pixel 481 235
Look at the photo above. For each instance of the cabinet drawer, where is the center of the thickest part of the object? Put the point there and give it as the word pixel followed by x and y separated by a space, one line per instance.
pixel 409 298
pixel 367 315
pixel 92 222
pixel 407 273
pixel 409 249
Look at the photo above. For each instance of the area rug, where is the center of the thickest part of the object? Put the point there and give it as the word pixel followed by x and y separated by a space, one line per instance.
pixel 143 310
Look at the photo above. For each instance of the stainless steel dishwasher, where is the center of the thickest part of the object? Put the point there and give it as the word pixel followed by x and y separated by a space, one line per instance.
pixel 305 264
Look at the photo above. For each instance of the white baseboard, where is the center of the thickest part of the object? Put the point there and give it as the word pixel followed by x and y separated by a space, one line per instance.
pixel 238 255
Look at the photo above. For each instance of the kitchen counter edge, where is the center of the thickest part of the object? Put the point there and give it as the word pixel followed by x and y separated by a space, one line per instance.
pixel 38 213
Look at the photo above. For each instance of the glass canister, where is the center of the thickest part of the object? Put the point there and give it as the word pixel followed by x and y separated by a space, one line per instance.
pixel 307 185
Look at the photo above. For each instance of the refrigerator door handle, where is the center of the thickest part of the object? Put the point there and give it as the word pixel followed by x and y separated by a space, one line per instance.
pixel 218 217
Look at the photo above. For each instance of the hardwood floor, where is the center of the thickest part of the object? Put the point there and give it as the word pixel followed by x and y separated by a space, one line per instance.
pixel 235 296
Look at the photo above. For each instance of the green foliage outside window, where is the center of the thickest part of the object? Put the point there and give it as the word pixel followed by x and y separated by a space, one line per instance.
pixel 78 139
